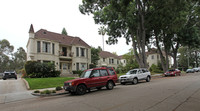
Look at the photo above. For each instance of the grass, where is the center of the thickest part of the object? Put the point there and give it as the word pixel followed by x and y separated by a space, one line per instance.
pixel 41 83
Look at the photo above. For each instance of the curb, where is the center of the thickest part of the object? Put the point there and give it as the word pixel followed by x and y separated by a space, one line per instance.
pixel 52 94
pixel 26 83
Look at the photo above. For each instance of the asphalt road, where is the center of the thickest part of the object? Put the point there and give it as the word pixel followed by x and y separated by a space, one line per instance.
pixel 181 93
pixel 13 90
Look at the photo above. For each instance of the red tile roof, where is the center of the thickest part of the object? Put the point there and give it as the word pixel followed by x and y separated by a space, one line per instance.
pixel 105 54
pixel 62 39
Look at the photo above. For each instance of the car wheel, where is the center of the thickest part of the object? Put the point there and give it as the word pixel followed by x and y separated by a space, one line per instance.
pixel 135 81
pixel 123 83
pixel 148 79
pixel 4 78
pixel 81 89
pixel 15 78
pixel 110 85
pixel 99 88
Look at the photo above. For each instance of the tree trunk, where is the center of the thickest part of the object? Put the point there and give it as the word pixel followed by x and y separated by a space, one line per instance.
pixel 161 54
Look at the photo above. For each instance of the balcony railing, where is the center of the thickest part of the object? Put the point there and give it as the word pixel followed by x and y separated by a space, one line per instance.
pixel 66 55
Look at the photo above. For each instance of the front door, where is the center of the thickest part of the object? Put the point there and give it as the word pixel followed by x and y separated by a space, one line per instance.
pixel 66 68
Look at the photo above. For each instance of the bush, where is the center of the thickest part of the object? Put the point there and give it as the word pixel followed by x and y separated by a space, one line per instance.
pixel 36 91
pixel 39 70
pixel 79 72
pixel 54 91
pixel 58 88
pixel 45 92
pixel 155 69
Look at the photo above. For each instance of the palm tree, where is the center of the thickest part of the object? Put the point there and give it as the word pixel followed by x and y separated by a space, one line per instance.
pixel 102 31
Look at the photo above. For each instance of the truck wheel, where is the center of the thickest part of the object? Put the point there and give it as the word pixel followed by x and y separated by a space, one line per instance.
pixel 110 85
pixel 81 89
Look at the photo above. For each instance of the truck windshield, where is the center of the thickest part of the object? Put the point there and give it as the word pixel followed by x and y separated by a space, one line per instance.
pixel 85 74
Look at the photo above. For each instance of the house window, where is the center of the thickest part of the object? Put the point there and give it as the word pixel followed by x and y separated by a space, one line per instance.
pixel 112 61
pixel 82 52
pixel 83 66
pixel 77 66
pixel 53 49
pixel 77 52
pixel 103 59
pixel 46 47
pixel 124 61
pixel 64 51
pixel 152 57
pixel 117 61
pixel 38 46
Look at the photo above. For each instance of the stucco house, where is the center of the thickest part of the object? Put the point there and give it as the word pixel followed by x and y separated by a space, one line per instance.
pixel 123 61
pixel 153 57
pixel 67 52
pixel 108 59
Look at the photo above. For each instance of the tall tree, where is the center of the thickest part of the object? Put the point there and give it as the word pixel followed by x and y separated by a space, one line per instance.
pixel 5 53
pixel 123 18
pixel 19 58
pixel 102 31
pixel 64 32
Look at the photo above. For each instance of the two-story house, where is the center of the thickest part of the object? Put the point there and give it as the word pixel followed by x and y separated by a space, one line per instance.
pixel 67 52
pixel 153 57
pixel 108 59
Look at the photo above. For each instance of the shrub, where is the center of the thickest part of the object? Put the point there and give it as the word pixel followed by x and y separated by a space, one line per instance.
pixel 54 91
pixel 155 69
pixel 39 70
pixel 42 92
pixel 47 92
pixel 36 91
pixel 58 88
pixel 79 72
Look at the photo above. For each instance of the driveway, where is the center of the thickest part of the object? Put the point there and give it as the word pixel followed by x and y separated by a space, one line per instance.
pixel 13 90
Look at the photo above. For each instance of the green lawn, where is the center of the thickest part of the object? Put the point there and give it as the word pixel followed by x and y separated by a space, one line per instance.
pixel 40 83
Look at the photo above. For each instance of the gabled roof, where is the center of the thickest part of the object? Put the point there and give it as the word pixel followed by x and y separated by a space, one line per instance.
pixel 62 39
pixel 105 54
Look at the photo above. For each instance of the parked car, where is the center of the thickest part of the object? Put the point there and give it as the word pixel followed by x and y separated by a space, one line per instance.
pixel 196 69
pixel 172 72
pixel 190 71
pixel 92 78
pixel 135 75
pixel 9 74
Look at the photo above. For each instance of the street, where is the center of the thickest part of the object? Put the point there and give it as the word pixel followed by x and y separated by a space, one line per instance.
pixel 181 93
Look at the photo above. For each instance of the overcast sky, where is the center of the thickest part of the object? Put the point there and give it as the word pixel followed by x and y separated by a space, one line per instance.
pixel 16 16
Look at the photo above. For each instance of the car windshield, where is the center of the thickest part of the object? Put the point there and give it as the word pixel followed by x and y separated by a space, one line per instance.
pixel 131 72
pixel 85 74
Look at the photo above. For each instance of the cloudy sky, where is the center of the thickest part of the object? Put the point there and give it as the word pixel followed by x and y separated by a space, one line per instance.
pixel 16 16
